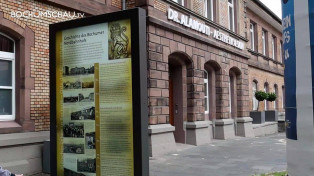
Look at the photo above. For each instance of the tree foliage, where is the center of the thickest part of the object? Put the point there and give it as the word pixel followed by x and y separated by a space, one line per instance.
pixel 261 95
pixel 271 97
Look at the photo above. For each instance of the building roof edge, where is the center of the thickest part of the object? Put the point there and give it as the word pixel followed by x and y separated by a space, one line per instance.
pixel 267 10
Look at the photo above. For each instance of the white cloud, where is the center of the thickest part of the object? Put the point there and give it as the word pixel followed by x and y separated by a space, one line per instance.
pixel 274 5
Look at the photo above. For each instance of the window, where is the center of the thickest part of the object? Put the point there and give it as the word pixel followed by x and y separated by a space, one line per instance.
pixel 231 14
pixel 181 2
pixel 280 52
pixel 209 11
pixel 252 33
pixel 276 101
pixel 206 97
pixel 255 101
pixel 264 37
pixel 265 101
pixel 273 46
pixel 7 78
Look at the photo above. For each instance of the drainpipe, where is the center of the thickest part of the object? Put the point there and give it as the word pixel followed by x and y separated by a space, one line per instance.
pixel 123 3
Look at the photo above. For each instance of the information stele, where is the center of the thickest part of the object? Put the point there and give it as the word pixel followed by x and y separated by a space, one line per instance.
pixel 99 95
pixel 298 49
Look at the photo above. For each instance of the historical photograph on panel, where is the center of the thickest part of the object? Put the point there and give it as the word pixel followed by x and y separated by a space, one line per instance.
pixel 85 113
pixel 78 96
pixel 68 172
pixel 78 70
pixel 90 140
pixel 72 83
pixel 73 130
pixel 119 39
pixel 86 165
pixel 87 82
pixel 73 148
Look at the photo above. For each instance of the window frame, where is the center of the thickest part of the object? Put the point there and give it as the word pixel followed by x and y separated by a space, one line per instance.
pixel 7 56
pixel 252 34
pixel 276 101
pixel 265 101
pixel 231 5
pixel 281 52
pixel 274 47
pixel 264 42
pixel 255 101
pixel 212 9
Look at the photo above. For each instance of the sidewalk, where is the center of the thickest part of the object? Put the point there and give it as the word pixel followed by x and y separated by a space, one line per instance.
pixel 237 157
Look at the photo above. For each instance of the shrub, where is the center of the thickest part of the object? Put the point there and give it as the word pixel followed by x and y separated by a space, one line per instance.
pixel 260 95
pixel 271 97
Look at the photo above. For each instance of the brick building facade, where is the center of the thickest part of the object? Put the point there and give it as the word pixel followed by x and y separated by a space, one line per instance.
pixel 201 69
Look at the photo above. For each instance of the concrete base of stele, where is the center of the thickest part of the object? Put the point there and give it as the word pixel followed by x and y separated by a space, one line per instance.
pixel 161 139
pixel 199 132
pixel 22 152
pixel 224 129
pixel 265 129
pixel 245 127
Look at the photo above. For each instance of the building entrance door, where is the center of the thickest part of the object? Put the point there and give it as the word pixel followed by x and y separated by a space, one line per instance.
pixel 176 102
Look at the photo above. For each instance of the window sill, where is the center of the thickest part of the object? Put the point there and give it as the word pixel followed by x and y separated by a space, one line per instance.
pixel 23 138
pixel 265 57
pixel 9 127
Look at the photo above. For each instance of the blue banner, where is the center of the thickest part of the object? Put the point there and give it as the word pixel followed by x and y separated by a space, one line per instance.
pixel 311 18
pixel 288 25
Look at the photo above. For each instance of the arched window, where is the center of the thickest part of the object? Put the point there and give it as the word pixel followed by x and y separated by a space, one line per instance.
pixel 265 101
pixel 206 97
pixel 7 78
pixel 255 101
pixel 276 101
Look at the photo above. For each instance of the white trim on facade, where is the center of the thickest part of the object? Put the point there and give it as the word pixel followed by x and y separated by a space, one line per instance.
pixel 10 57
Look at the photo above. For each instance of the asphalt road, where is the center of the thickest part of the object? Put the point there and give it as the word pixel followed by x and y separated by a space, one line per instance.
pixel 236 157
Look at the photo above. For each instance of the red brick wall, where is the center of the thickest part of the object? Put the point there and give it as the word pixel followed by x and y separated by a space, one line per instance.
pixel 39 55
pixel 264 69
pixel 116 3
pixel 161 44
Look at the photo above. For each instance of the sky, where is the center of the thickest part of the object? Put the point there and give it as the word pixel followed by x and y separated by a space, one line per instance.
pixel 274 5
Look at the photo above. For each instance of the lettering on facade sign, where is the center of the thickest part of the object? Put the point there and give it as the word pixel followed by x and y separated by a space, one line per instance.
pixel 188 22
pixel 203 28
pixel 227 39
pixel 286 24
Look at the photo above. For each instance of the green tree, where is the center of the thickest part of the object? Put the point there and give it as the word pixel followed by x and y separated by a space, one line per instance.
pixel 260 96
pixel 271 97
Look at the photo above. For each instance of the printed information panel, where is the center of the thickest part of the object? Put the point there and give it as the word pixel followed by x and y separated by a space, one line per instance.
pixel 94 100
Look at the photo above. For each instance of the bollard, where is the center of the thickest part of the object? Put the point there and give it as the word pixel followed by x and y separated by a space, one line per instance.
pixel 46 157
